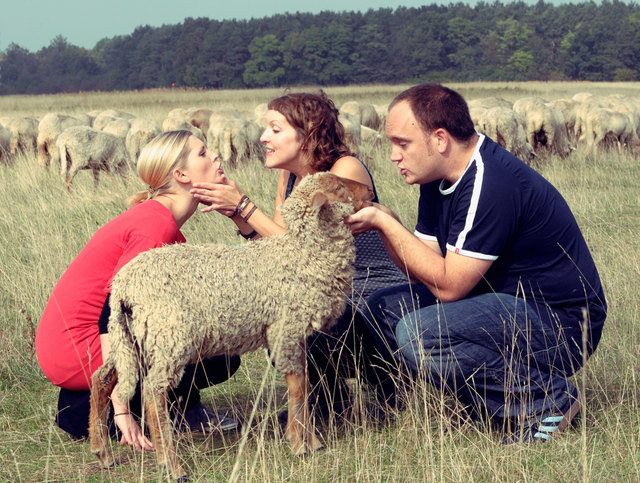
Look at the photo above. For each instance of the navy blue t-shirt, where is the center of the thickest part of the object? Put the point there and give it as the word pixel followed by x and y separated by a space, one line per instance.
pixel 503 210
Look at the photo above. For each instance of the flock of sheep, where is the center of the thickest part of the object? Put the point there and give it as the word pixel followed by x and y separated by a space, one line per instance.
pixel 110 140
pixel 532 126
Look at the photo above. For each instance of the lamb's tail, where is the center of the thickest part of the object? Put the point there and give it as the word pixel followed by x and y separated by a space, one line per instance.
pixel 124 352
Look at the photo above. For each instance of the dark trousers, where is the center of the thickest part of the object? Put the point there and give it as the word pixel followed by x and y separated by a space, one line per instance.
pixel 73 406
pixel 342 352
pixel 492 351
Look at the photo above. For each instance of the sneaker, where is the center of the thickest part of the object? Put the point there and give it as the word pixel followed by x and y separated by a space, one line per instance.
pixel 201 419
pixel 544 429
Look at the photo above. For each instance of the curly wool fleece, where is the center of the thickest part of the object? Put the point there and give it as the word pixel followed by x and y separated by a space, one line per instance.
pixel 187 302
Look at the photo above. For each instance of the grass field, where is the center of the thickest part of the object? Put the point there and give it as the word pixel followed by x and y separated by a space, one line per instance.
pixel 43 229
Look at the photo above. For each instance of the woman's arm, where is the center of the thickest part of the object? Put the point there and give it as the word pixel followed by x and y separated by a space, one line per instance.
pixel 351 168
pixel 225 197
pixel 128 426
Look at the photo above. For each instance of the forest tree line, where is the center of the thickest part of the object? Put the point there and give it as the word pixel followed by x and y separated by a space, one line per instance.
pixel 453 43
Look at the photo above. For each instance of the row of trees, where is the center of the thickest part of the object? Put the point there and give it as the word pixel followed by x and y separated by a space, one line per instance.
pixel 516 41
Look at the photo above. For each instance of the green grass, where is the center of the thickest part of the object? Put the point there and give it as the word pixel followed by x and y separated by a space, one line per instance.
pixel 43 229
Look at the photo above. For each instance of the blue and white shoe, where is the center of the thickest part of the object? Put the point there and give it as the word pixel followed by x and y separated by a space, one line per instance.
pixel 545 428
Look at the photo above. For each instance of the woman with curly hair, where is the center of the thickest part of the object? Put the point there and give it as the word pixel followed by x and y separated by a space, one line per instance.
pixel 304 136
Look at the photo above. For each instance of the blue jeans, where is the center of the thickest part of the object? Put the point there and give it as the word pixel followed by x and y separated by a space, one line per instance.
pixel 492 351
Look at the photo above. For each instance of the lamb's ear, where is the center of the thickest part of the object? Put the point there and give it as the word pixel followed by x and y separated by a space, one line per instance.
pixel 318 199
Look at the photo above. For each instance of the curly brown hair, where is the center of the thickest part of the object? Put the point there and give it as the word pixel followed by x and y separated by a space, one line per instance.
pixel 315 119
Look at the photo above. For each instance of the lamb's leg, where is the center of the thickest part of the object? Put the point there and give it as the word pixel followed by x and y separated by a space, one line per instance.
pixel 98 414
pixel 300 431
pixel 157 417
pixel 96 179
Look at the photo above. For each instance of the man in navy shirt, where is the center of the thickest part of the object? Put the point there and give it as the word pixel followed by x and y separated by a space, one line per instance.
pixel 505 301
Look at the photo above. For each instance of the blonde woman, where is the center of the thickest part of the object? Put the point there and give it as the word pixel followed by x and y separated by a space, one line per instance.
pixel 72 338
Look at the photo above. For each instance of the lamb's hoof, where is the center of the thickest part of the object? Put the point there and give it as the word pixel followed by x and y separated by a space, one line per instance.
pixel 106 459
pixel 302 449
pixel 316 444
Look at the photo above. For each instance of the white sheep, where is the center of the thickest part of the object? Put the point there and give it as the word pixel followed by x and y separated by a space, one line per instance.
pixel 235 138
pixel 140 133
pixel 545 126
pixel 504 126
pixel 118 127
pixel 607 126
pixel 352 131
pixel 366 113
pixel 196 116
pixel 24 135
pixel 49 127
pixel 105 117
pixel 174 123
pixel 175 305
pixel 83 147
pixel 5 145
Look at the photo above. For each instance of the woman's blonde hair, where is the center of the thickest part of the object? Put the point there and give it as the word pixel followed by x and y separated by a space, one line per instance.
pixel 156 163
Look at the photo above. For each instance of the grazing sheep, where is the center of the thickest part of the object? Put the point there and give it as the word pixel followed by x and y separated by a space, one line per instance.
pixel 49 127
pixel 5 145
pixel 196 116
pixel 545 126
pixel 83 147
pixel 199 117
pixel 24 136
pixel 140 133
pixel 505 127
pixel 105 117
pixel 371 137
pixel 233 137
pixel 606 127
pixel 260 115
pixel 352 131
pixel 117 127
pixel 366 114
pixel 174 305
pixel 174 123
pixel 582 111
pixel 568 108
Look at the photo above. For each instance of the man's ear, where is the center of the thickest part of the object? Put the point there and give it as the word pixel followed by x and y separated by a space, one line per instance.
pixel 180 176
pixel 442 139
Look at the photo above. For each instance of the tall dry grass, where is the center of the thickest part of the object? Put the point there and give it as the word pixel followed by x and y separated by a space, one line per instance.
pixel 43 228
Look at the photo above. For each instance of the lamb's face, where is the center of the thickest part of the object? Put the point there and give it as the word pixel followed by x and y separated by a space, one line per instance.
pixel 342 190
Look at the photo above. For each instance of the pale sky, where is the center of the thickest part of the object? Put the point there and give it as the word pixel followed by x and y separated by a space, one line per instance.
pixel 32 24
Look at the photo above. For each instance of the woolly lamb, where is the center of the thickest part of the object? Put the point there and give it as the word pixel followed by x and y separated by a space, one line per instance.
pixel 606 127
pixel 5 143
pixel 24 136
pixel 105 117
pixel 364 112
pixel 545 126
pixel 83 147
pixel 174 305
pixel 173 123
pixel 140 133
pixel 504 126
pixel 235 138
pixel 49 127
